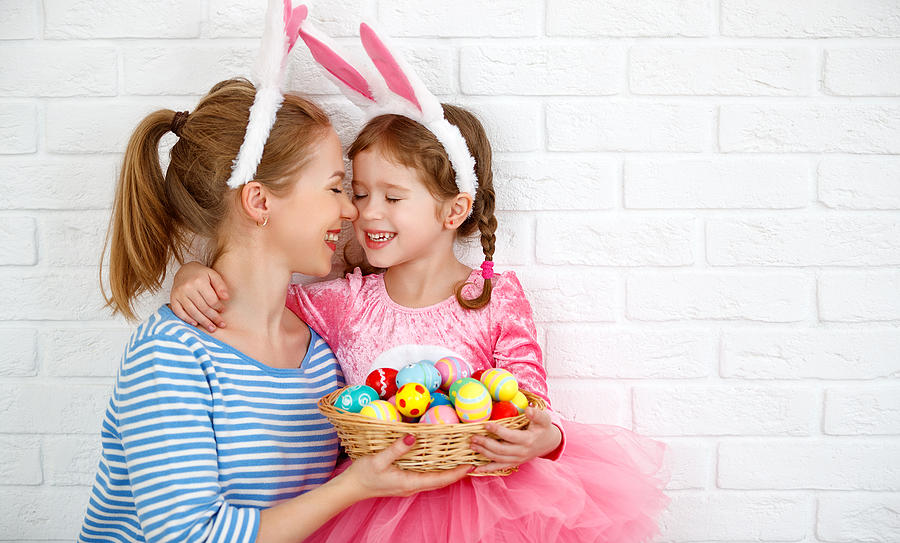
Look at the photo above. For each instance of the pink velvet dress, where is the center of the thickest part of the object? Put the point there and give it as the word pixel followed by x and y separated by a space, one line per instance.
pixel 602 484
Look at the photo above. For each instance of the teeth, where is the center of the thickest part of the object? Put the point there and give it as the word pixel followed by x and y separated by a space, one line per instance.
pixel 331 237
pixel 381 237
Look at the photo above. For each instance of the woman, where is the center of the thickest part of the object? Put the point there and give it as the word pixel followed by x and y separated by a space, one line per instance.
pixel 218 438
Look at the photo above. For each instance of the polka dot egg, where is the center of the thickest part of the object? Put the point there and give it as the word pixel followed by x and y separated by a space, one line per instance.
pixel 412 399
pixel 355 398
pixel 381 410
pixel 500 383
pixel 451 369
pixel 473 403
pixel 441 414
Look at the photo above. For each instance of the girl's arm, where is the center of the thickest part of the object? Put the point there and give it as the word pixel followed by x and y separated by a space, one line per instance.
pixel 197 296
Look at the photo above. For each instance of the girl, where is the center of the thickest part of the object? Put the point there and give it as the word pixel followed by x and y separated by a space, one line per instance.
pixel 596 484
pixel 218 438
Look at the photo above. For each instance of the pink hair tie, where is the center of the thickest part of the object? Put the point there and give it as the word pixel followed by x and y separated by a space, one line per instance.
pixel 487 269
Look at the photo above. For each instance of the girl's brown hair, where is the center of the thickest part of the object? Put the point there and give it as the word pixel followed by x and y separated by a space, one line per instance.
pixel 155 217
pixel 414 146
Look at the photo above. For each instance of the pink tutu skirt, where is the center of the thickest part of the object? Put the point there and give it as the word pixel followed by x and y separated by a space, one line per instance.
pixel 605 487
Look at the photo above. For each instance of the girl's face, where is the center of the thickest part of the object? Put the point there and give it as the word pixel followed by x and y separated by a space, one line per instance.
pixel 307 220
pixel 399 219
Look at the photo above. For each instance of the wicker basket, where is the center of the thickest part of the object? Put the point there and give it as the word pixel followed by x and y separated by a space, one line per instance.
pixel 438 446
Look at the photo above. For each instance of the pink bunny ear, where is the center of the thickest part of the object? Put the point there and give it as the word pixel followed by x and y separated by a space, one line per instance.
pixel 388 66
pixel 336 65
pixel 293 18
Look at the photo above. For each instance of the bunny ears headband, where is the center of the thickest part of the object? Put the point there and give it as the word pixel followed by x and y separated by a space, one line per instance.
pixel 399 90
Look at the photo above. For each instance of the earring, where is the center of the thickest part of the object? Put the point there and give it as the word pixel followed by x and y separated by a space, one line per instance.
pixel 264 223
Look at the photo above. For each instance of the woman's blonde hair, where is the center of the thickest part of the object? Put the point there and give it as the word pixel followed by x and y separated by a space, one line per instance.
pixel 155 217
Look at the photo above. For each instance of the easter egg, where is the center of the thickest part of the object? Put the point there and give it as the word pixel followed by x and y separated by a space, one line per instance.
pixel 422 372
pixel 477 374
pixel 354 398
pixel 454 388
pixel 503 410
pixel 451 369
pixel 439 398
pixel 473 403
pixel 441 414
pixel 500 383
pixel 520 401
pixel 383 380
pixel 381 410
pixel 413 399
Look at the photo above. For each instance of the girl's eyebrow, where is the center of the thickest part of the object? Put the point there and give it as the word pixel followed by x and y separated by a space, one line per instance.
pixel 385 185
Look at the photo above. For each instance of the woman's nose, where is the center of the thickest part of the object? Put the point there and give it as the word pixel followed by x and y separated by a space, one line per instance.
pixel 349 211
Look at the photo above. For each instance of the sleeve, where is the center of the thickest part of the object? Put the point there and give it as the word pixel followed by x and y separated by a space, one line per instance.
pixel 516 348
pixel 163 406
pixel 325 305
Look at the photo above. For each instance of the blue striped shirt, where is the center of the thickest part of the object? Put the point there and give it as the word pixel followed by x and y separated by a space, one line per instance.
pixel 198 437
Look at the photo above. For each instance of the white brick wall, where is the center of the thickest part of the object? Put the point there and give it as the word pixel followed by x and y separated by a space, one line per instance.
pixel 702 198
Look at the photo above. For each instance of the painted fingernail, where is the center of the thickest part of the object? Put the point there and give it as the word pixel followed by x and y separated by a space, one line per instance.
pixel 409 439
pixel 212 328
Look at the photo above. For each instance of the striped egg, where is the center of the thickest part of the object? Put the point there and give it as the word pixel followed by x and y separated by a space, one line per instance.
pixel 451 369
pixel 473 403
pixel 381 410
pixel 520 401
pixel 440 414
pixel 454 388
pixel 422 372
pixel 500 383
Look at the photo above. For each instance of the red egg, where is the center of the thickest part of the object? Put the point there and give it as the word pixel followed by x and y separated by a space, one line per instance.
pixel 503 410
pixel 383 380
pixel 476 375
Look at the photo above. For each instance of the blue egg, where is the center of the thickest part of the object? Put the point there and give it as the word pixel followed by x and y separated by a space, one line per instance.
pixel 355 398
pixel 439 398
pixel 422 372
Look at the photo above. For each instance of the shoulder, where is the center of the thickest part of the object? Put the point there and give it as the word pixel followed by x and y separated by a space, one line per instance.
pixel 351 284
pixel 507 294
pixel 164 340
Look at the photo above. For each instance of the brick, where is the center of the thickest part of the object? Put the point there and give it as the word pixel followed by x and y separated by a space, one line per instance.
pixel 564 295
pixel 19 348
pixel 689 463
pixel 511 125
pixel 19 20
pixel 42 513
pixel 681 295
pixel 816 241
pixel 591 402
pixel 21 463
pixel 594 126
pixel 73 238
pixel 812 128
pixel 101 127
pixel 720 183
pixel 35 407
pixel 724 410
pixel 18 128
pixel 837 464
pixel 78 288
pixel 809 18
pixel 720 71
pixel 163 69
pixel 555 183
pixel 863 411
pixel 71 460
pixel 242 19
pixel 811 354
pixel 744 517
pixel 859 297
pixel 862 71
pixel 82 352
pixel 599 351
pixel 603 240
pixel 860 182
pixel 88 19
pixel 543 70
pixel 514 244
pixel 465 18
pixel 858 517
pixel 77 182
pixel 18 241
pixel 623 18
pixel 58 70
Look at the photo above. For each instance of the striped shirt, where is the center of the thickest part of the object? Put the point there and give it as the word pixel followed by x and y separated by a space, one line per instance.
pixel 198 437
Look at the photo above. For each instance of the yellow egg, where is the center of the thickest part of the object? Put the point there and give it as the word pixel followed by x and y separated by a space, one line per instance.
pixel 500 383
pixel 473 403
pixel 520 401
pixel 381 410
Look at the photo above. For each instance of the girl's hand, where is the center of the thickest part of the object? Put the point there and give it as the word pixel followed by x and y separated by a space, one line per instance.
pixel 376 475
pixel 517 446
pixel 196 294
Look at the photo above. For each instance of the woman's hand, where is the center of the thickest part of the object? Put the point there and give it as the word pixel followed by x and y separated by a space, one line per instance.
pixel 517 446
pixel 196 296
pixel 376 475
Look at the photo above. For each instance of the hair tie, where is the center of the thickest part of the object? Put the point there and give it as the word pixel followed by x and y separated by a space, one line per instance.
pixel 487 269
pixel 178 121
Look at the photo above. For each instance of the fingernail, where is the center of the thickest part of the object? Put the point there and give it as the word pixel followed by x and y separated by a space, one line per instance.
pixel 409 439
pixel 212 328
